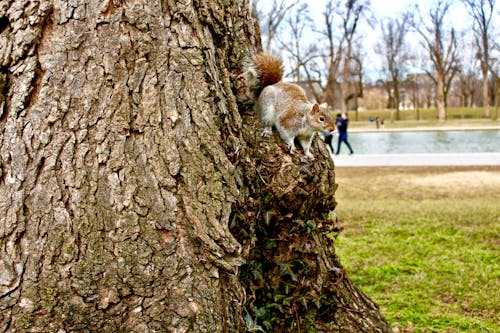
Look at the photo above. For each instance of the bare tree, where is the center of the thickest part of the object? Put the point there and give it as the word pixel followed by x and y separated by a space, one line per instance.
pixel 302 51
pixel 497 98
pixel 352 71
pixel 273 18
pixel 466 86
pixel 299 51
pixel 468 81
pixel 335 50
pixel 482 12
pixel 343 57
pixel 396 56
pixel 441 48
pixel 414 86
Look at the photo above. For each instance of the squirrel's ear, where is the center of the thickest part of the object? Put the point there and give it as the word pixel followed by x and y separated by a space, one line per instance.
pixel 315 108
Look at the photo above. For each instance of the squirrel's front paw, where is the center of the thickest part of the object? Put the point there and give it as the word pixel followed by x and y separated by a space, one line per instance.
pixel 309 156
pixel 267 131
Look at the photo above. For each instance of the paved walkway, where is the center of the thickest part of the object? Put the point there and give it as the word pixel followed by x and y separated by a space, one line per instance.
pixel 368 160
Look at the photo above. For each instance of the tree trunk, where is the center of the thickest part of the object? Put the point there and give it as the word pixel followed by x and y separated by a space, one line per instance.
pixel 486 96
pixel 113 211
pixel 440 98
pixel 123 161
pixel 329 95
pixel 397 97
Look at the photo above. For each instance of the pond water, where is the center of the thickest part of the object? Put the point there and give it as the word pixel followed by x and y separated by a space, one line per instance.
pixel 469 141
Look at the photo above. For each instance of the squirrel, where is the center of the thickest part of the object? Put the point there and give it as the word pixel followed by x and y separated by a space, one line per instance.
pixel 285 105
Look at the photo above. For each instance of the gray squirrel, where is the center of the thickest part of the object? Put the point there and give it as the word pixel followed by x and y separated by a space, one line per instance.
pixel 285 105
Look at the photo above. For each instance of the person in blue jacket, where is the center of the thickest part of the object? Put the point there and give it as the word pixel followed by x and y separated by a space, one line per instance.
pixel 342 122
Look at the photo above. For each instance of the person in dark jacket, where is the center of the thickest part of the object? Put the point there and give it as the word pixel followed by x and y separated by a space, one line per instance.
pixel 342 122
pixel 328 138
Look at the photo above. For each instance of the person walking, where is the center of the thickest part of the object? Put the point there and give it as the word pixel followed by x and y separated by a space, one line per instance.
pixel 342 122
pixel 328 138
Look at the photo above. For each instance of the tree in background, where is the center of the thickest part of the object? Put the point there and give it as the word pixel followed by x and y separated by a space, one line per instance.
pixel 352 71
pixel 341 58
pixel 396 57
pixel 482 13
pixel 298 50
pixel 331 62
pixel 334 51
pixel 497 99
pixel 442 50
pixel 468 84
pixel 333 73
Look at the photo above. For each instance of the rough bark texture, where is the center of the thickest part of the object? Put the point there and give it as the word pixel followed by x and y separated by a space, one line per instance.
pixel 115 189
pixel 123 159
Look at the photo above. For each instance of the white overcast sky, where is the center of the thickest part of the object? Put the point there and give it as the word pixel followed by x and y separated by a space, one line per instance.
pixel 381 8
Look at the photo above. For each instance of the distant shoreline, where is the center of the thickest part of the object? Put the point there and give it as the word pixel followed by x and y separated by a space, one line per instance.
pixel 426 129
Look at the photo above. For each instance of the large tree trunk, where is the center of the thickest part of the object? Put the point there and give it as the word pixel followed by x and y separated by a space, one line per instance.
pixel 123 160
pixel 115 190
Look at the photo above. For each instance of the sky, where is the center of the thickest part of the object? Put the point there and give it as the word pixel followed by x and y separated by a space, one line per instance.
pixel 391 8
pixel 382 9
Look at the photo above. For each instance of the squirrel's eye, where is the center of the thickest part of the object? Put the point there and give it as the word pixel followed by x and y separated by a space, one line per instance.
pixel 321 118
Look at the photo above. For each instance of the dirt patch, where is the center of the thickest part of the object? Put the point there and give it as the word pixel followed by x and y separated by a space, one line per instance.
pixel 459 179
pixel 418 183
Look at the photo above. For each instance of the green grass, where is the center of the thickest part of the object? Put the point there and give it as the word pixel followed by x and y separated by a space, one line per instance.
pixel 424 244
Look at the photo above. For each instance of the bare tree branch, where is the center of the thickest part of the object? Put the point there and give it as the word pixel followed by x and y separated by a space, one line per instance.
pixel 272 20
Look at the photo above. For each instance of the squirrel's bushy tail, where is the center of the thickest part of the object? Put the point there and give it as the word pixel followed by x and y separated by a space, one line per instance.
pixel 261 70
pixel 269 69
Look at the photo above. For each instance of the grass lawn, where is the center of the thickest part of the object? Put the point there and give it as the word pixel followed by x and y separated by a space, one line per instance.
pixel 424 243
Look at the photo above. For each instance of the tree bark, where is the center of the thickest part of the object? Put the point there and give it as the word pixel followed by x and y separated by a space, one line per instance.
pixel 122 164
pixel 115 193
pixel 440 98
